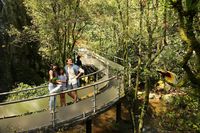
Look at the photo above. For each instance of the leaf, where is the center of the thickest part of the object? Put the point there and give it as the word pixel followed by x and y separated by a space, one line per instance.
pixel 188 4
pixel 192 5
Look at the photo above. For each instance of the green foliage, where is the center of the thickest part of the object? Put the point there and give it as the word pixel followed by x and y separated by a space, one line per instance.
pixel 183 115
pixel 144 33
pixel 192 5
pixel 24 37
pixel 31 77
pixel 20 44
pixel 101 33
pixel 171 57
pixel 26 58
pixel 54 80
pixel 14 13
pixel 27 94
pixel 59 24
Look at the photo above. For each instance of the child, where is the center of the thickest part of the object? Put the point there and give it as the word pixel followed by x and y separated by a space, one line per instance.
pixel 62 77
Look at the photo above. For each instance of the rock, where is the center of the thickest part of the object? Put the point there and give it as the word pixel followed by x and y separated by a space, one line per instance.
pixel 152 96
pixel 148 129
pixel 168 98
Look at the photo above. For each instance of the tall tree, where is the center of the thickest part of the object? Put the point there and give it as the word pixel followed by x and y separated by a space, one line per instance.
pixel 60 24
pixel 17 42
pixel 188 14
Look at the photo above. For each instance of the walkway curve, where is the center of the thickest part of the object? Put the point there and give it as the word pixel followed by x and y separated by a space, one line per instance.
pixel 104 94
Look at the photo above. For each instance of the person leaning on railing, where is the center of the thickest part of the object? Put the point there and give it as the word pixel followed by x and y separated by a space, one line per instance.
pixel 53 81
pixel 62 77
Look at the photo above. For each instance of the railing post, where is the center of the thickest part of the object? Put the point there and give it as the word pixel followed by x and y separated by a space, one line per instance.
pixel 54 113
pixel 94 99
pixel 107 67
pixel 118 106
pixel 107 71
pixel 96 77
pixel 118 84
pixel 97 88
pixel 114 59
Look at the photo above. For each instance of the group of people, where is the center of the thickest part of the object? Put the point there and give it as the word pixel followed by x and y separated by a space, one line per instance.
pixel 62 79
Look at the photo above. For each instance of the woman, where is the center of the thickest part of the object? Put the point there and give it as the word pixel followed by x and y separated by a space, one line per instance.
pixel 53 75
pixel 62 77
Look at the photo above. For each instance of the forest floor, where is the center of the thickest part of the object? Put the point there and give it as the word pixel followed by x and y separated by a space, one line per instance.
pixel 106 122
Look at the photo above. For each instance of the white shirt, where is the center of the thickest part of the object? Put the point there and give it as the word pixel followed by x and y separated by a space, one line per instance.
pixel 72 77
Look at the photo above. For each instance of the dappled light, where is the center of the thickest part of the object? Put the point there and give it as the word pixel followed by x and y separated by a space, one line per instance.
pixel 71 63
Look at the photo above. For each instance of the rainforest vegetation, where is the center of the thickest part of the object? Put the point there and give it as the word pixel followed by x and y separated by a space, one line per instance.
pixel 149 35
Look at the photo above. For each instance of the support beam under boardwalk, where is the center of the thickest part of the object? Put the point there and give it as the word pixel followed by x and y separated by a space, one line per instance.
pixel 89 126
pixel 118 112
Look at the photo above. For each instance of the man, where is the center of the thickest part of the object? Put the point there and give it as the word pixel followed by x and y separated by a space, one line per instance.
pixel 73 72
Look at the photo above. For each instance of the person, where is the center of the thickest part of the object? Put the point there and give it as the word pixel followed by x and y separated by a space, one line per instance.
pixel 53 75
pixel 62 77
pixel 72 73
pixel 78 61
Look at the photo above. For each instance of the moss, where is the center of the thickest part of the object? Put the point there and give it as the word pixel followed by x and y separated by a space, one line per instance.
pixel 184 36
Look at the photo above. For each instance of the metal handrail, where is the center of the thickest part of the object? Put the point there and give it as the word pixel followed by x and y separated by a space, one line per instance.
pixel 94 86
pixel 39 87
pixel 116 57
pixel 28 89
pixel 92 73
pixel 54 94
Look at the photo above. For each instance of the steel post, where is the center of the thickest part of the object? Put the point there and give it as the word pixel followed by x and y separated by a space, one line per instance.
pixel 94 98
pixel 118 112
pixel 89 126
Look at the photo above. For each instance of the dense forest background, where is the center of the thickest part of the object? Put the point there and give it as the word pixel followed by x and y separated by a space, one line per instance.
pixel 148 35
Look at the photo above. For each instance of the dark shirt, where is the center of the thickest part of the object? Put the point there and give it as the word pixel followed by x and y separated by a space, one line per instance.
pixel 79 63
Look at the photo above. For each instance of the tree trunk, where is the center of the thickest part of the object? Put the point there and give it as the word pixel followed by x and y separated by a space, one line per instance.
pixel 145 105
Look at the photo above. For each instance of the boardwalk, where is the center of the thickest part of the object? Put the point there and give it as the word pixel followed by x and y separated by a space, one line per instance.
pixel 96 98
